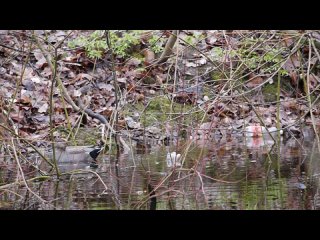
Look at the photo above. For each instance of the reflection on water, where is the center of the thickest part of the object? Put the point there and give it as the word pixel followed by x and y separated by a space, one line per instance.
pixel 228 174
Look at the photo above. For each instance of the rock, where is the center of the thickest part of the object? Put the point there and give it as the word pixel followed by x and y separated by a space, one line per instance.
pixel 153 130
pixel 300 186
pixel 131 123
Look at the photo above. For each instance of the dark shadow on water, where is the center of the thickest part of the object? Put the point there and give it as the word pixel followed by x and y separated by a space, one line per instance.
pixel 153 199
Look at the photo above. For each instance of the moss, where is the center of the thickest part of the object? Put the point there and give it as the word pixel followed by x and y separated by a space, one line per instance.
pixel 149 80
pixel 207 91
pixel 138 55
pixel 269 92
pixel 84 136
pixel 158 110
pixel 183 133
pixel 217 75
pixel 313 97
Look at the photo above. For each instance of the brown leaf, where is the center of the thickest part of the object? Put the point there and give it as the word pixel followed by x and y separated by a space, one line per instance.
pixel 131 87
pixel 292 63
pixel 17 117
pixel 110 101
pixel 243 109
pixel 139 97
pixel 294 78
pixel 121 123
pixel 107 112
pixel 25 99
pixel 23 132
pixel 80 79
pixel 161 78
pixel 133 62
pixel 149 56
pixel 59 107
pixel 254 80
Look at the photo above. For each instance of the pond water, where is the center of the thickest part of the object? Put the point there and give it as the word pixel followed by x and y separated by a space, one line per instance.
pixel 225 174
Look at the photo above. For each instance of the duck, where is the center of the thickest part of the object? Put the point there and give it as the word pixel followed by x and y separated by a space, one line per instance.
pixel 77 154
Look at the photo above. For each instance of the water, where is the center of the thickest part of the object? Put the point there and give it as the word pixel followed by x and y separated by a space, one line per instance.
pixel 225 174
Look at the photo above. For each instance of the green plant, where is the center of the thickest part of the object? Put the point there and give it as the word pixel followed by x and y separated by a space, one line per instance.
pixel 194 38
pixel 265 58
pixel 94 44
pixel 121 44
pixel 156 43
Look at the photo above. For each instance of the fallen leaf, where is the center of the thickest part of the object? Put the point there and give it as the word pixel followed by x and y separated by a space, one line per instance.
pixel 43 108
pixel 85 75
pixel 56 37
pixel 133 62
pixel 314 81
pixel 25 99
pixel 254 80
pixel 108 87
pixel 201 61
pixel 149 56
pixel 17 117
pixel 191 64
pixel 139 97
pixel 292 63
pixel 41 118
pixel 36 79
pixel 46 72
pixel 77 93
pixel 211 39
pixel 121 80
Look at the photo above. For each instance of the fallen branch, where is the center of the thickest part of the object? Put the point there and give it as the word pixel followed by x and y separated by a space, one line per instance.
pixel 168 48
pixel 21 182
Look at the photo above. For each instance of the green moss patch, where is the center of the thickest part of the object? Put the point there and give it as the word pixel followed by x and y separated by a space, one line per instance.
pixel 159 110
pixel 269 92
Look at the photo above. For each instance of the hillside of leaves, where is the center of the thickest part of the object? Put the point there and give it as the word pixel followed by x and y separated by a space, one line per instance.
pixel 213 83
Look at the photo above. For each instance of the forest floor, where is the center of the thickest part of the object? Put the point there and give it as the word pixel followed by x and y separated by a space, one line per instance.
pixel 215 84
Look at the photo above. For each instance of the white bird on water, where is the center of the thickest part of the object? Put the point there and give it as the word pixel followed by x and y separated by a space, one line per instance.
pixel 173 159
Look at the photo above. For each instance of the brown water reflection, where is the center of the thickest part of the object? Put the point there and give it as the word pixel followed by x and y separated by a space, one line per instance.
pixel 215 175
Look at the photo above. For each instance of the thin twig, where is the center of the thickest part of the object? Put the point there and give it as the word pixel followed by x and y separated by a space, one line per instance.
pixel 22 174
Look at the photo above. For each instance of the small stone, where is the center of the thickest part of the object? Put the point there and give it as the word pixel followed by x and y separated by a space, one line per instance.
pixel 30 150
pixel 205 98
